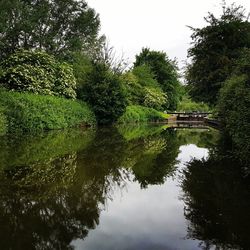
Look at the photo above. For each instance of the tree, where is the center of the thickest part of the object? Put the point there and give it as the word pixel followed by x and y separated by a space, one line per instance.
pixel 233 108
pixel 214 50
pixel 55 26
pixel 165 72
pixel 103 92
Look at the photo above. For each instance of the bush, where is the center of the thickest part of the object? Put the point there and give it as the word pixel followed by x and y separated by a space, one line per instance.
pixel 38 72
pixel 233 109
pixel 30 112
pixel 188 105
pixel 154 98
pixel 103 92
pixel 143 89
pixel 3 123
pixel 134 92
pixel 138 113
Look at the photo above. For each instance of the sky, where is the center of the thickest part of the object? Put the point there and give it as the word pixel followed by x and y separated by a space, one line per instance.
pixel 161 25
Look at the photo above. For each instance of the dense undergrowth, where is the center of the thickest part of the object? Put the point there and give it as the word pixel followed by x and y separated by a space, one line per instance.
pixel 30 112
pixel 136 113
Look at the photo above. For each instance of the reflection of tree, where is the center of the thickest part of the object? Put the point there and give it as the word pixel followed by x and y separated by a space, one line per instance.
pixel 24 150
pixel 53 188
pixel 204 138
pixel 50 200
pixel 152 158
pixel 217 202
pixel 41 205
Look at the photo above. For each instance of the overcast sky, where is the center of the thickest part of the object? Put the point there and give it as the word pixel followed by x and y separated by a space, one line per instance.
pixel 130 25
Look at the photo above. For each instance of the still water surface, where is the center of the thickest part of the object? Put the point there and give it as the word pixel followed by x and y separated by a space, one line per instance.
pixel 139 187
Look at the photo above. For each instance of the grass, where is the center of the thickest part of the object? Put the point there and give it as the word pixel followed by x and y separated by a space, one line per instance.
pixel 136 113
pixel 31 113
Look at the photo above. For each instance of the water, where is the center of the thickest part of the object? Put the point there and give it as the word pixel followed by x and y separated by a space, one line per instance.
pixel 133 187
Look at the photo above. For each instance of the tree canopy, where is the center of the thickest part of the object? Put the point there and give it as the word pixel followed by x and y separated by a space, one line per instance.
pixel 165 72
pixel 214 51
pixel 57 26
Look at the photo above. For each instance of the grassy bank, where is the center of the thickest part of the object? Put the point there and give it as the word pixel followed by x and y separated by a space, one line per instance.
pixel 30 112
pixel 136 113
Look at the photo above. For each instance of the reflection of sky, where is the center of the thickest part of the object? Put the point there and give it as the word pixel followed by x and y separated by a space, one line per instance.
pixel 149 218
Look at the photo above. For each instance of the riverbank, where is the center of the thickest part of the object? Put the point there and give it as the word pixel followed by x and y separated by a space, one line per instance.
pixel 33 113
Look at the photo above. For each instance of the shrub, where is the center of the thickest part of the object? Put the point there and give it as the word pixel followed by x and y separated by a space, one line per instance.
pixel 233 109
pixel 103 92
pixel 134 92
pixel 3 123
pixel 188 105
pixel 30 112
pixel 143 90
pixel 38 72
pixel 138 113
pixel 154 98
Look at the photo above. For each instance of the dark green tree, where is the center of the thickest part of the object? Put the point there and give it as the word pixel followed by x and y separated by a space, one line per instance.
pixel 56 26
pixel 165 72
pixel 233 108
pixel 214 50
pixel 104 93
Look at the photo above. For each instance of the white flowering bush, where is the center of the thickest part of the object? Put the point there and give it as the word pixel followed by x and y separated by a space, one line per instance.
pixel 39 73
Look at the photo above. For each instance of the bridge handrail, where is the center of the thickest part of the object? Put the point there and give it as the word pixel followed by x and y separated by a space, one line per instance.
pixel 189 113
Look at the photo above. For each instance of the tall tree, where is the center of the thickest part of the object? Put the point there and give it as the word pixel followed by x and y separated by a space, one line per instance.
pixel 55 26
pixel 165 72
pixel 214 50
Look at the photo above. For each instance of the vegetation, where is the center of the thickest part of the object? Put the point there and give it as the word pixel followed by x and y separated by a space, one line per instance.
pixel 103 92
pixel 38 72
pixel 165 73
pixel 233 107
pixel 3 123
pixel 31 113
pixel 138 113
pixel 141 88
pixel 214 51
pixel 54 26
pixel 188 105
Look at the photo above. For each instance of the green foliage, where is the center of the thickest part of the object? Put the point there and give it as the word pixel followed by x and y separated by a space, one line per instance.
pixel 54 26
pixel 38 72
pixel 104 93
pixel 165 73
pixel 186 104
pixel 138 113
pixel 233 108
pixel 142 89
pixel 154 98
pixel 134 92
pixel 82 66
pixel 145 76
pixel 30 112
pixel 3 123
pixel 214 51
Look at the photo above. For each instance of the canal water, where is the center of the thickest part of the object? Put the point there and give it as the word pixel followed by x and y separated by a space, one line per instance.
pixel 128 187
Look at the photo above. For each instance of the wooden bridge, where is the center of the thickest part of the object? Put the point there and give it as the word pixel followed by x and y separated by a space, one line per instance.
pixel 190 116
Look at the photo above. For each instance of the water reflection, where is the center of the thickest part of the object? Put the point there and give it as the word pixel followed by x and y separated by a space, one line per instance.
pixel 217 202
pixel 56 187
